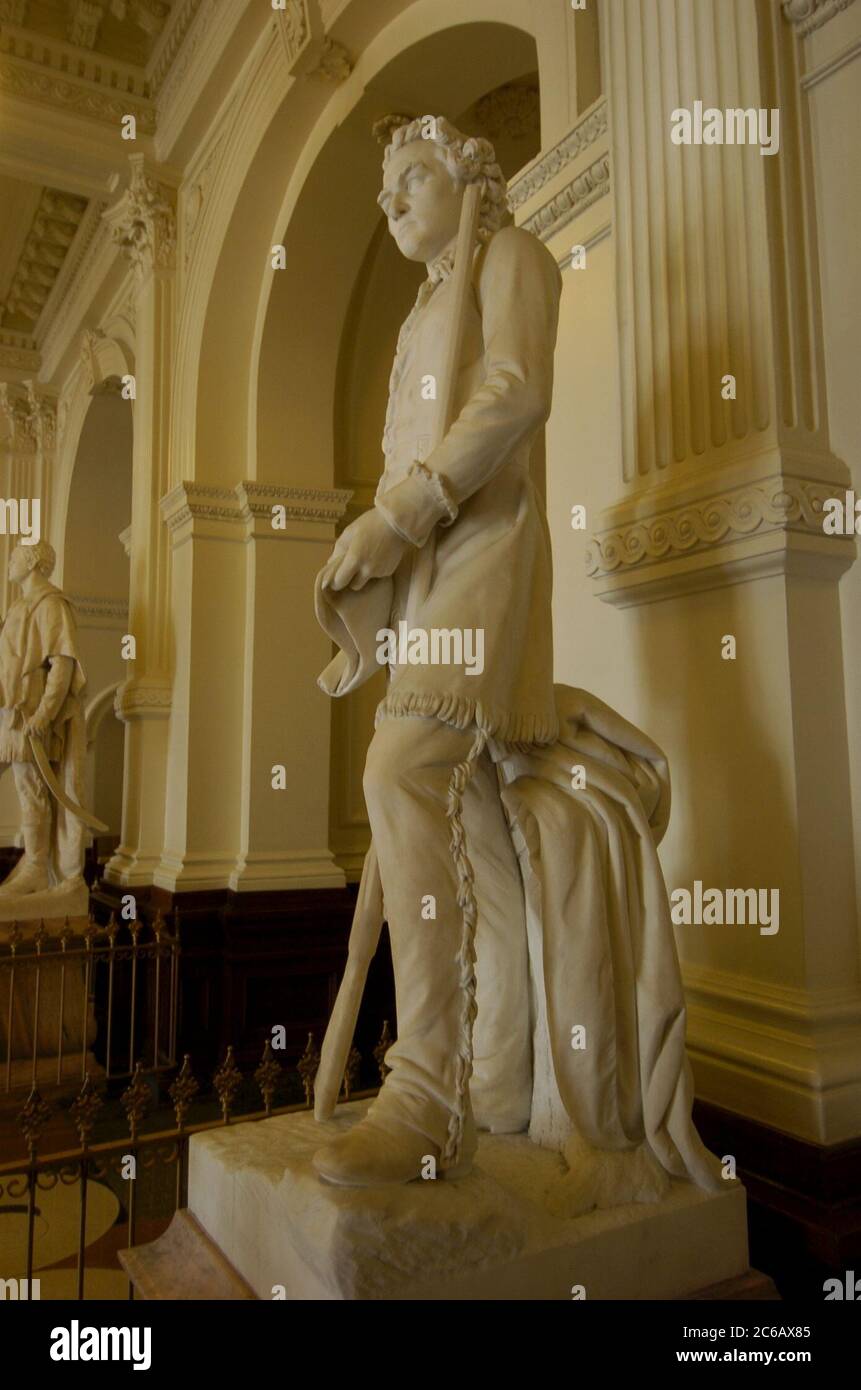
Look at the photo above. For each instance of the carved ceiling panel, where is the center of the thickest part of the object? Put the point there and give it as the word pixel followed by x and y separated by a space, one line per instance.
pixel 28 270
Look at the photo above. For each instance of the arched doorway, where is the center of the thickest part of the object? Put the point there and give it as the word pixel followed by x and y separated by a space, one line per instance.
pixel 335 312
pixel 96 579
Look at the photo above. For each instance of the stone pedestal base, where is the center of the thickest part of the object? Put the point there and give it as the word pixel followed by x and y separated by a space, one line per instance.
pixel 57 987
pixel 70 899
pixel 491 1235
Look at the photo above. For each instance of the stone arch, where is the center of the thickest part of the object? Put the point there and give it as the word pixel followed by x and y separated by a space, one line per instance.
pixel 324 358
pixel 106 355
pixel 280 170
pixel 92 515
pixel 242 197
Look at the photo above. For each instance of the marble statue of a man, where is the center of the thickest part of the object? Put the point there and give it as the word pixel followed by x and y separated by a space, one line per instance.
pixel 535 931
pixel 41 680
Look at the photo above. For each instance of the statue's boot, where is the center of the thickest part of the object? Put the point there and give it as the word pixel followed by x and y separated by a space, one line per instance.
pixel 30 874
pixel 382 1149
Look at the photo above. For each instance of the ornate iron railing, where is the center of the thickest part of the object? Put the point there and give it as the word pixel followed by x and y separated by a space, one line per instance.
pixel 24 1179
pixel 59 991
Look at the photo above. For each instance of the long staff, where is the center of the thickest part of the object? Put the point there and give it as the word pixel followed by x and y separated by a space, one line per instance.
pixel 368 916
pixel 423 559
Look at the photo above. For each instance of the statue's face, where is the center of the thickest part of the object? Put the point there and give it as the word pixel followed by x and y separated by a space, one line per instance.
pixel 421 201
pixel 19 565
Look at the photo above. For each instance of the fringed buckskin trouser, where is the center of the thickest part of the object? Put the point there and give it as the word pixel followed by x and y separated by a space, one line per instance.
pixel 440 832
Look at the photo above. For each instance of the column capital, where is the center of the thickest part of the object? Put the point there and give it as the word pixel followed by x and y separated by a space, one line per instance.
pixel 143 219
pixel 31 412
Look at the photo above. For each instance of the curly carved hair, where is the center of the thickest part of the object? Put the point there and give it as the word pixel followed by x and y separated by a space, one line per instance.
pixel 470 159
pixel 42 557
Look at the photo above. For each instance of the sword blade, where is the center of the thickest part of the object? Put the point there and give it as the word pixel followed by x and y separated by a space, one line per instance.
pixel 40 758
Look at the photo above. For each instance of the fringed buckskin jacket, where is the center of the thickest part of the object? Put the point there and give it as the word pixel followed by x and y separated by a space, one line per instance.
pixel 492 564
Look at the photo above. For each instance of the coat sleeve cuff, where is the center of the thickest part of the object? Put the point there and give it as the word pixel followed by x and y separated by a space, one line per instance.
pixel 415 506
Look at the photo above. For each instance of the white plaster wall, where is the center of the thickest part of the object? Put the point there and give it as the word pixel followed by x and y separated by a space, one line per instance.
pixel 725 726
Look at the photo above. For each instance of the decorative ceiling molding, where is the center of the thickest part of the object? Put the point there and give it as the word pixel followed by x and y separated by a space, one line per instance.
pixel 99 98
pixel 84 23
pixel 51 234
pixel 143 221
pixel 170 83
pixel 18 352
pixel 171 40
pixel 294 21
pixel 589 129
pixel 84 269
pixel 808 15
pixel 307 50
pixel 584 190
pixel 195 192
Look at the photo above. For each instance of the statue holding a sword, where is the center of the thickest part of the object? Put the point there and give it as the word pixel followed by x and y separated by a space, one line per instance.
pixel 42 726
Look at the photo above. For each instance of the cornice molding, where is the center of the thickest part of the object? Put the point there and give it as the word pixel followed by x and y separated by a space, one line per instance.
pixel 169 43
pixel 547 166
pixel 299 503
pixel 114 610
pixel 18 352
pixel 110 95
pixel 809 15
pixel 585 189
pixel 250 501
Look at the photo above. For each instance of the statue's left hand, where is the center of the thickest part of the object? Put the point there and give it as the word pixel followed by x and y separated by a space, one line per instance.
pixel 366 549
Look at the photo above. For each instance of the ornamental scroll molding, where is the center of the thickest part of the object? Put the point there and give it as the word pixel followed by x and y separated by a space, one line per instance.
pixel 593 125
pixel 773 504
pixel 809 15
pixel 143 221
pixel 584 190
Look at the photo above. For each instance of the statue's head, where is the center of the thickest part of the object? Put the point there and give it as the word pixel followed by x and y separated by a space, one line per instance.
pixel 426 167
pixel 26 558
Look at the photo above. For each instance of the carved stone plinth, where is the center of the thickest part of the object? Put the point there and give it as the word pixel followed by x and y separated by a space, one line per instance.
pixel 492 1235
pixel 54 985
pixel 69 899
